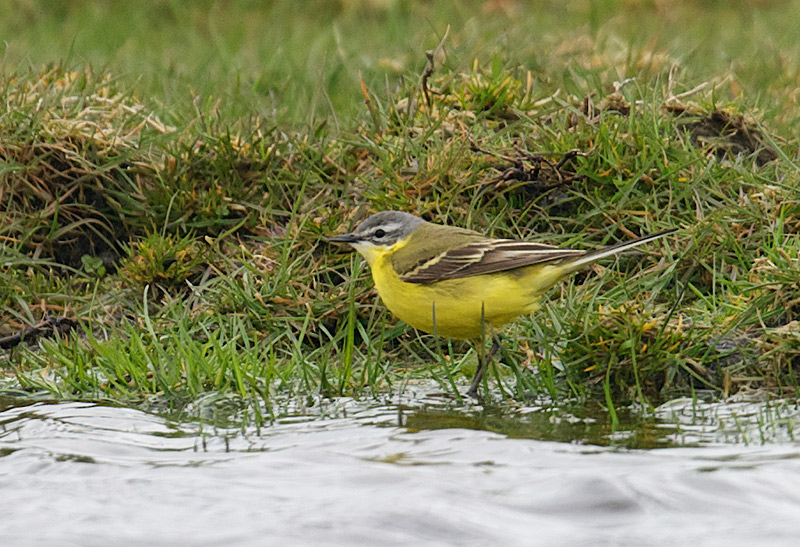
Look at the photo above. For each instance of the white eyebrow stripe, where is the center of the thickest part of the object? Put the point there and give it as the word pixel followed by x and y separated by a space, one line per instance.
pixel 388 228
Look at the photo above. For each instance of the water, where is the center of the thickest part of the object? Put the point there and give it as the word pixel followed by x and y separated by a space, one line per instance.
pixel 351 473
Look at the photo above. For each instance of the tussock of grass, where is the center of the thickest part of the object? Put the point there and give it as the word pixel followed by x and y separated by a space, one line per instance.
pixel 191 254
pixel 71 149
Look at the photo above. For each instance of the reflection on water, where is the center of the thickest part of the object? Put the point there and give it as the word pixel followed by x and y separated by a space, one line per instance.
pixel 344 472
pixel 682 422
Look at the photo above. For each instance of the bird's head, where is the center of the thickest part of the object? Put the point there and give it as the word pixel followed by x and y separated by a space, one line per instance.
pixel 379 232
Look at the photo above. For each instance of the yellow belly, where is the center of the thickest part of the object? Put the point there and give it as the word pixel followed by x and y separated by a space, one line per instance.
pixel 456 306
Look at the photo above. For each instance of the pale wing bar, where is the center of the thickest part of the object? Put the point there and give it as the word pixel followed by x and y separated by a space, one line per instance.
pixel 488 256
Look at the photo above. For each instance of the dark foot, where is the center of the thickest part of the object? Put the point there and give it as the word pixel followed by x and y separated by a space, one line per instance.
pixel 476 381
pixel 482 364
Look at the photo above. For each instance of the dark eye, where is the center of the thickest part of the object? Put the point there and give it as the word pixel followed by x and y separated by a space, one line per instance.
pixel 379 233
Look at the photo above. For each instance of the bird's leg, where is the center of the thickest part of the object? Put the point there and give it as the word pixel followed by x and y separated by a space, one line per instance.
pixel 483 362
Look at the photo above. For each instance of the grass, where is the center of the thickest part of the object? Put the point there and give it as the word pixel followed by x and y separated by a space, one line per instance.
pixel 167 186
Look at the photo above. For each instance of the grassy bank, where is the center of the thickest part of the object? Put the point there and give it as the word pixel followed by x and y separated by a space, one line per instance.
pixel 168 201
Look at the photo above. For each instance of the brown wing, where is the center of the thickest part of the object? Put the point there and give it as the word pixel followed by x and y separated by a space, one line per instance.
pixel 485 256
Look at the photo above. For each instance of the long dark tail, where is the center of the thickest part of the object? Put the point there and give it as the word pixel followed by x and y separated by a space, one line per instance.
pixel 592 256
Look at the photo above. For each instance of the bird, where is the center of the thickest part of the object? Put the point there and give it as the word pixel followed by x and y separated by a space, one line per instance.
pixel 457 283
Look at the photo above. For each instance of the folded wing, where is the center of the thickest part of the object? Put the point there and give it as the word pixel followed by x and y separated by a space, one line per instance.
pixel 486 256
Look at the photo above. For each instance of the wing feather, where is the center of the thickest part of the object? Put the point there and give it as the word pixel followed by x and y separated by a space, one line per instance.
pixel 485 256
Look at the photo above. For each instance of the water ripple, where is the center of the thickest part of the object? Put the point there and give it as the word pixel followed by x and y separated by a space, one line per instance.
pixel 86 474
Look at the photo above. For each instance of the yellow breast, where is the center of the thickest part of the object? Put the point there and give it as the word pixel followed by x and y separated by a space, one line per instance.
pixel 454 308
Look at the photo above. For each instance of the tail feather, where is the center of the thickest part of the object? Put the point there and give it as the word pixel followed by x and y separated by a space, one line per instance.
pixel 592 256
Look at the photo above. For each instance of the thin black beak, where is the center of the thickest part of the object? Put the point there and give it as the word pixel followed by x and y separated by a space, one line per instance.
pixel 344 238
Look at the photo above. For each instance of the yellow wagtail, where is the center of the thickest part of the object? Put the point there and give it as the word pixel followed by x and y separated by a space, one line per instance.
pixel 455 282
